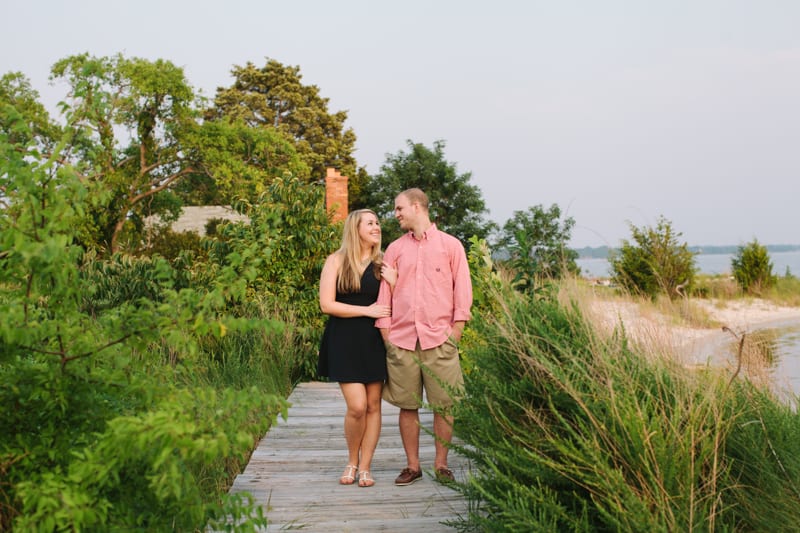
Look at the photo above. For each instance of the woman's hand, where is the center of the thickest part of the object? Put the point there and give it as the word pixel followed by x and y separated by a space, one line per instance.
pixel 378 311
pixel 389 274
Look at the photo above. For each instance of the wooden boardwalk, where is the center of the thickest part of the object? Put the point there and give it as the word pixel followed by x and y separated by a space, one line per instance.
pixel 294 473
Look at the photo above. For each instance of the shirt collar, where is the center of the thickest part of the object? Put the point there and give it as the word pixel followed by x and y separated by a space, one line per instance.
pixel 426 234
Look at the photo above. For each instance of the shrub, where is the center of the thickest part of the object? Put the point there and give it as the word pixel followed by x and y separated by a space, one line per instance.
pixel 655 262
pixel 752 268
pixel 151 470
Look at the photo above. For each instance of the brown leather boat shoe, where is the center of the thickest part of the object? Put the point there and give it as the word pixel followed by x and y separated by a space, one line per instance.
pixel 444 475
pixel 408 476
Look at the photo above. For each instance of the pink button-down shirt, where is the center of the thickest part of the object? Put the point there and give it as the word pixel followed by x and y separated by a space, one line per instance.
pixel 433 289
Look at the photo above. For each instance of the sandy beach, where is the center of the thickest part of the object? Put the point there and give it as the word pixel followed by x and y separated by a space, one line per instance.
pixel 644 324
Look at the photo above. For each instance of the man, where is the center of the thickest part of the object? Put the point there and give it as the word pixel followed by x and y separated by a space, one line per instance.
pixel 430 302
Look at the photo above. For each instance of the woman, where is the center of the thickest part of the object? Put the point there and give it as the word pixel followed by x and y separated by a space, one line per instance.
pixel 352 351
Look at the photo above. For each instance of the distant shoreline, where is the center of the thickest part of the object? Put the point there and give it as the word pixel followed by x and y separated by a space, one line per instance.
pixel 783 262
pixel 602 252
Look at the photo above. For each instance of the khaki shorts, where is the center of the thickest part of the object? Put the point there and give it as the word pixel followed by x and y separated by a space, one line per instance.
pixel 437 369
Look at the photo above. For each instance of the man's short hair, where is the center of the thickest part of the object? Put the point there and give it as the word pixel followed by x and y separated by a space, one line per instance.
pixel 415 195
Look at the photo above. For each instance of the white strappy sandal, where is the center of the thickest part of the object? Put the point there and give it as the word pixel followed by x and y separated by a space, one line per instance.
pixel 365 479
pixel 349 475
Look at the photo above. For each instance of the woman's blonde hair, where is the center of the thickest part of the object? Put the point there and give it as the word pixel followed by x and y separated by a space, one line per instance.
pixel 349 276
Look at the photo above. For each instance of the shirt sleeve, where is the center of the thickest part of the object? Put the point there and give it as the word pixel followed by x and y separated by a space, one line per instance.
pixel 462 284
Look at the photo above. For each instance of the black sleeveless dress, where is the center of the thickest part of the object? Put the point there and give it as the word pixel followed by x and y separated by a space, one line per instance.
pixel 352 349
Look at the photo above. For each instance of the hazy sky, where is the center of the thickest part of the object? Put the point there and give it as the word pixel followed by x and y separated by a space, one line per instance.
pixel 617 111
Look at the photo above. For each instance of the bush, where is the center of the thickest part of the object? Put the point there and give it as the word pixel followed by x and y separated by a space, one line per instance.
pixel 655 262
pixel 752 268
pixel 149 470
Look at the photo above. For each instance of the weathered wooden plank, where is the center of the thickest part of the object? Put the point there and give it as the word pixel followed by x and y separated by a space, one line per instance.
pixel 294 473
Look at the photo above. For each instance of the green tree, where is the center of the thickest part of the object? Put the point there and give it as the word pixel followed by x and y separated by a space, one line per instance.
pixel 236 162
pixel 133 134
pixel 125 120
pixel 536 242
pixel 655 262
pixel 274 96
pixel 19 104
pixel 752 268
pixel 456 206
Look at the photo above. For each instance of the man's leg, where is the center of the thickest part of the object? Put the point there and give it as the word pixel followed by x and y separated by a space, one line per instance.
pixel 443 431
pixel 444 365
pixel 409 433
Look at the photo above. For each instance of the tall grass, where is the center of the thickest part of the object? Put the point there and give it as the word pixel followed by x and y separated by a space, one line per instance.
pixel 785 291
pixel 718 286
pixel 263 357
pixel 570 430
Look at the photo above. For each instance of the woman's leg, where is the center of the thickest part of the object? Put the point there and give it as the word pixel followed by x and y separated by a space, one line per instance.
pixel 373 426
pixel 355 420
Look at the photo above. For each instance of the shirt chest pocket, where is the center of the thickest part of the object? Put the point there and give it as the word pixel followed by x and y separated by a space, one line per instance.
pixel 438 271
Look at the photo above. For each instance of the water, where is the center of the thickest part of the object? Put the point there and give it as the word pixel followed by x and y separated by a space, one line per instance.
pixel 787 360
pixel 783 343
pixel 707 264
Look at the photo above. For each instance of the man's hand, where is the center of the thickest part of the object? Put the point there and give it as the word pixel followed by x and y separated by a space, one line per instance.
pixel 458 330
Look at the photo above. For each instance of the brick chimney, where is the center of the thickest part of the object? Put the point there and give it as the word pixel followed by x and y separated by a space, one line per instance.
pixel 336 194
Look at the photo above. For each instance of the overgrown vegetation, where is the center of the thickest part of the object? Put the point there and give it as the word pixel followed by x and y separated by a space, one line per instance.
pixel 785 290
pixel 137 387
pixel 141 365
pixel 571 431
pixel 278 257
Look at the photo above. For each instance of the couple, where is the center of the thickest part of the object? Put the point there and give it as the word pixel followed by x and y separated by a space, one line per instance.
pixel 389 316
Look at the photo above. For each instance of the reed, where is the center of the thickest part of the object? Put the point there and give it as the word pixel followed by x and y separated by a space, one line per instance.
pixel 574 429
